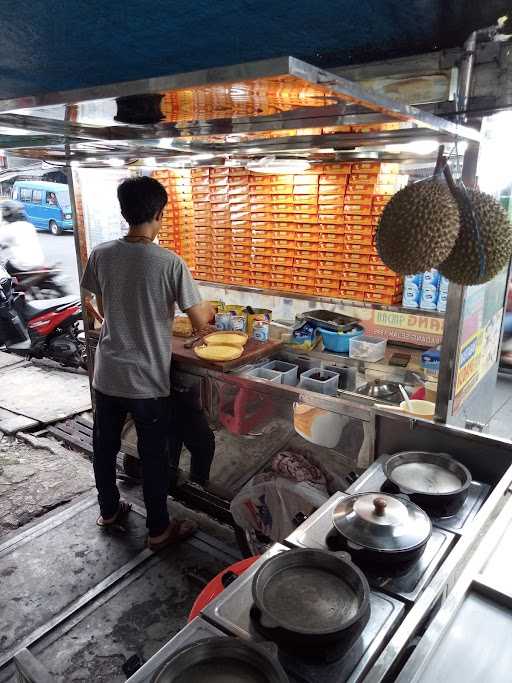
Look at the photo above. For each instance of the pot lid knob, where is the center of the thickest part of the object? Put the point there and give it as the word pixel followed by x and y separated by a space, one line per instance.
pixel 379 505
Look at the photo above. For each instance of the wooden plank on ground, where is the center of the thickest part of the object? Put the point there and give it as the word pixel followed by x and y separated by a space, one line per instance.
pixel 85 421
pixel 74 439
pixel 44 394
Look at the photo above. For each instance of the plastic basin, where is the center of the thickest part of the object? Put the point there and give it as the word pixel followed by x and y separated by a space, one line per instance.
pixel 339 342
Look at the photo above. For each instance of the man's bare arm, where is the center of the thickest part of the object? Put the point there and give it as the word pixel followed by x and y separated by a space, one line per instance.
pixel 200 314
pixel 99 305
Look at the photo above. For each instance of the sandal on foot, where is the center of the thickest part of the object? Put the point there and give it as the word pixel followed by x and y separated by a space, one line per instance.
pixel 123 509
pixel 178 530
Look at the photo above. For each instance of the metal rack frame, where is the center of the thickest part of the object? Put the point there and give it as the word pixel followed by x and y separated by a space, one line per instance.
pixel 52 117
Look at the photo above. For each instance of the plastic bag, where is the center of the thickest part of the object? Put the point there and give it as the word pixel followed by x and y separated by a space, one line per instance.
pixel 269 504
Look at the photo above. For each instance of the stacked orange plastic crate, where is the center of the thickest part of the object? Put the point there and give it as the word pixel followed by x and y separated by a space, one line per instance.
pixel 311 233
pixel 178 230
pixel 200 185
pixel 332 186
pixel 363 276
pixel 169 234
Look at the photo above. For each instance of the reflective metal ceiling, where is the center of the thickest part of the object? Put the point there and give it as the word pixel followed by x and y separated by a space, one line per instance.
pixel 290 106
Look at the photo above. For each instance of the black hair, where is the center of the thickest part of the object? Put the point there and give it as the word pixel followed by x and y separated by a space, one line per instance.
pixel 141 199
pixel 13 211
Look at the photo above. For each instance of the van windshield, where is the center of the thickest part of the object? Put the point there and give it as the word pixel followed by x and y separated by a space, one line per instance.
pixel 63 201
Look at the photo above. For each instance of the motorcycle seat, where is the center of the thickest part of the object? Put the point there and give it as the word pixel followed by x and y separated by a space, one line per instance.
pixel 38 306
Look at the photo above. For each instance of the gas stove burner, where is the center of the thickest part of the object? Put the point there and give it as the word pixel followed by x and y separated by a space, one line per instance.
pixel 314 655
pixel 441 510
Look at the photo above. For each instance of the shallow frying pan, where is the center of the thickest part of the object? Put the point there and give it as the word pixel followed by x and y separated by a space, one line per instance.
pixel 435 481
pixel 223 660
pixel 310 599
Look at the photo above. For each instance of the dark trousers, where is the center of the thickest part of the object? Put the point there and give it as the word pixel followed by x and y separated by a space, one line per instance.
pixel 151 417
pixel 189 426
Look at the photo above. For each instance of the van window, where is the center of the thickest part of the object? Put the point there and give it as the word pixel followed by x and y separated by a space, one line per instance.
pixel 25 194
pixel 51 198
pixel 37 196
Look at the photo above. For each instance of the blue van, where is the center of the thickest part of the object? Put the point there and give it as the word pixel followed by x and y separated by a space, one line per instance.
pixel 47 204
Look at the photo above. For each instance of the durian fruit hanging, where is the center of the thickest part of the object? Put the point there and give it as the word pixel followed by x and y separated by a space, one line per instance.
pixel 484 244
pixel 419 227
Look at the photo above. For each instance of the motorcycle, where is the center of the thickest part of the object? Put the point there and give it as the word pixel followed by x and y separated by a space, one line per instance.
pixel 47 328
pixel 43 283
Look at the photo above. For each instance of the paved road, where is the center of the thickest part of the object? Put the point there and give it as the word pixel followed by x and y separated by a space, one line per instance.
pixel 61 249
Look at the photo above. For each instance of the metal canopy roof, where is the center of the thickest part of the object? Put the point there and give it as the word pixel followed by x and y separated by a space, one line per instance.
pixel 279 106
pixel 56 45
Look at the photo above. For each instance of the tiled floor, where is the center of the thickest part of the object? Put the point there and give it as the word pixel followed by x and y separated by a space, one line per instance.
pixel 501 422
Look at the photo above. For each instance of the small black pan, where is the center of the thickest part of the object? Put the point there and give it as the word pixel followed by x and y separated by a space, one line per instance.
pixel 435 481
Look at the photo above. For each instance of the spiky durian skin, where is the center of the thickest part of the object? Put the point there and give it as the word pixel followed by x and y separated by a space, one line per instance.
pixel 463 264
pixel 418 228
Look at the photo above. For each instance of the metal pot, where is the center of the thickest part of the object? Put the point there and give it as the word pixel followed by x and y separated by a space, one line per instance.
pixel 435 481
pixel 380 528
pixel 381 390
pixel 310 599
pixel 223 660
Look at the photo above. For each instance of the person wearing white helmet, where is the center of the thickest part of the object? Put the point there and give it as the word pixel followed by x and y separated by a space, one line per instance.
pixel 19 243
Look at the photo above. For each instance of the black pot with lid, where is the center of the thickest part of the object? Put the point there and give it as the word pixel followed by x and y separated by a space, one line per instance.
pixel 378 527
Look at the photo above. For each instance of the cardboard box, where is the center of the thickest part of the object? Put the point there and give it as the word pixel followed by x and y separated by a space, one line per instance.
pixel 328 282
pixel 259 283
pixel 302 209
pixel 377 297
pixel 309 262
pixel 359 238
pixel 331 255
pixel 356 219
pixel 262 251
pixel 330 233
pixel 306 237
pixel 332 219
pixel 355 257
pixel 238 173
pixel 303 179
pixel 343 168
pixel 359 209
pixel 328 272
pixel 283 234
pixel 308 272
pixel 361 199
pixel 305 200
pixel 334 209
pixel 330 189
pixel 338 180
pixel 303 289
pixel 351 294
pixel 381 269
pixel 331 199
pixel 383 289
pixel 281 261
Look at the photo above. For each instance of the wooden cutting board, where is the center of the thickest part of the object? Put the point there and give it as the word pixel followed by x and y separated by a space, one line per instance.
pixel 254 350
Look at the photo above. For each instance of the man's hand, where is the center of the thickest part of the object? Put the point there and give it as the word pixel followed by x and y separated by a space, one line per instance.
pixel 201 314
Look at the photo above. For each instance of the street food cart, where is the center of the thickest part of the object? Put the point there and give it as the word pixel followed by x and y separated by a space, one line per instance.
pixel 228 144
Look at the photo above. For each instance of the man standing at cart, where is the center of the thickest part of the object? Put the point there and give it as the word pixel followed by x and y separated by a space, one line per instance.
pixel 137 285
